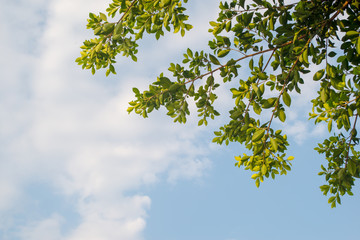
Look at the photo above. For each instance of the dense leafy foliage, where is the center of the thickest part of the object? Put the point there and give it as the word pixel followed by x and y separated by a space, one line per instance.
pixel 278 42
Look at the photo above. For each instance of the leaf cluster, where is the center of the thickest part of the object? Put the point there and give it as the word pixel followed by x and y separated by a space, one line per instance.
pixel 121 36
pixel 277 44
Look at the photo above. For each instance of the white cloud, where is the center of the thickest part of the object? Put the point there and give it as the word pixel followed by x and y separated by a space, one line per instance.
pixel 104 219
pixel 46 229
pixel 71 131
pixel 188 169
pixel 300 131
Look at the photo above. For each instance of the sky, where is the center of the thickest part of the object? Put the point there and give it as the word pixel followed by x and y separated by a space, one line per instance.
pixel 74 165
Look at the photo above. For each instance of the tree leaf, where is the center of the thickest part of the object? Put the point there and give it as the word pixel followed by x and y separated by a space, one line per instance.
pixel 286 98
pixel 258 135
pixel 282 115
pixel 263 169
pixel 330 125
pixel 352 33
pixel 290 158
pixel 305 56
pixel 319 74
pixel 352 167
pixel 257 182
pixel 214 60
pixel 103 16
pixel 274 144
pixel 257 108
pixel 251 64
pixel 223 53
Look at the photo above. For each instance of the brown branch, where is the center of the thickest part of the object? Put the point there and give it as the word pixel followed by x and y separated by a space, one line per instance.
pixel 339 10
pixel 285 84
pixel 127 10
pixel 252 94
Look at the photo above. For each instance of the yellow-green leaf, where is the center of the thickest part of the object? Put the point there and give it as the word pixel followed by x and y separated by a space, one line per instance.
pixel 263 169
pixel 305 56
pixel 251 64
pixel 352 33
pixel 323 95
pixel 257 183
pixel 274 144
pixel 257 108
pixel 282 115
pixel 103 16
pixel 255 175
pixel 214 60
pixel 319 74
pixel 223 53
pixel 258 135
pixel 286 98
pixel 330 125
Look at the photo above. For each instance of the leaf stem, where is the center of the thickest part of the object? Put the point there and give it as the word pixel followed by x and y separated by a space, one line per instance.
pixel 286 82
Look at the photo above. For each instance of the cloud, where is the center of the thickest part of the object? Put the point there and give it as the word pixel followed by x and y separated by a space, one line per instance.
pixel 70 130
pixel 301 131
pixel 46 229
pixel 189 169
pixel 104 219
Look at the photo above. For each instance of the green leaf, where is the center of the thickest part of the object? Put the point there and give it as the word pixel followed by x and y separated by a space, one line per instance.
pixel 258 135
pixel 323 95
pixel 319 74
pixel 330 125
pixel 325 189
pixel 351 33
pixel 189 53
pixel 286 98
pixel 257 108
pixel 305 56
pixel 103 17
pixel 98 30
pixel 214 60
pixel 282 115
pixel 331 199
pixel 119 28
pixel 136 91
pixel 352 167
pixel 269 103
pixel 257 182
pixel 262 76
pixel 174 87
pixel 164 3
pixel 116 37
pixel 251 64
pixel 108 28
pixel 274 144
pixel 223 53
pixel 263 169
pixel 358 45
pixel 201 122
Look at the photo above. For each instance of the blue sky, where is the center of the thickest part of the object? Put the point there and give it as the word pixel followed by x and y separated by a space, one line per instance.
pixel 74 165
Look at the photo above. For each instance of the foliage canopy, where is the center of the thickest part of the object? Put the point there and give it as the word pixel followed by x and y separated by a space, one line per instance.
pixel 279 42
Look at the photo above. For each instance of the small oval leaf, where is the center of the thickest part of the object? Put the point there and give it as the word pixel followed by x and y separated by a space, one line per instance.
pixel 258 135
